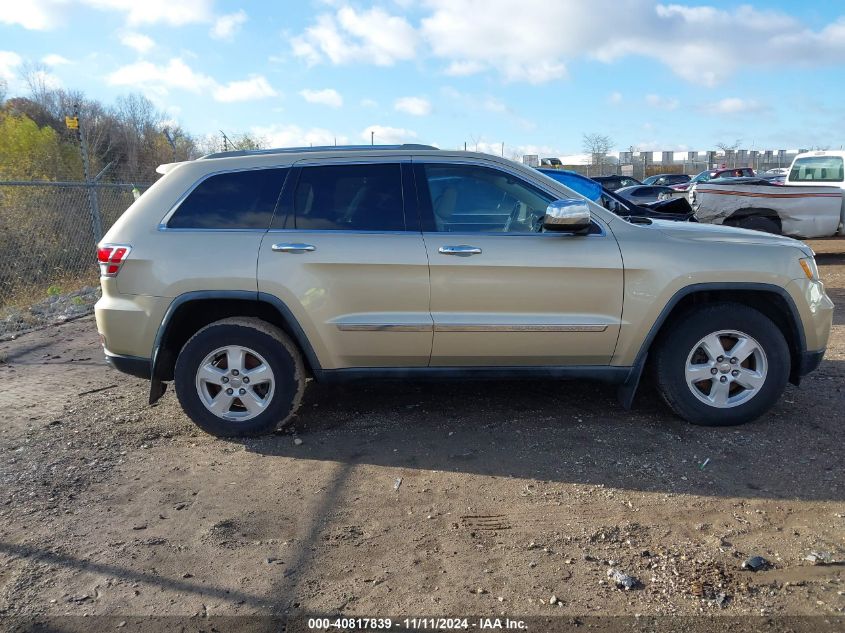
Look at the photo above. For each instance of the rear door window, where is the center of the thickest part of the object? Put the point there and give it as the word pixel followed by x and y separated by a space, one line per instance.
pixel 234 200
pixel 350 198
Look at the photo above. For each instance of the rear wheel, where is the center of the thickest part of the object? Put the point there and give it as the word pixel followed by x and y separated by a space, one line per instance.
pixel 759 223
pixel 239 376
pixel 723 364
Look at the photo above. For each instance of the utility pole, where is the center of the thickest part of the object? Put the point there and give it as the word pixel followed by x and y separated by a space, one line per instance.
pixel 372 137
pixel 170 141
pixel 503 149
pixel 93 204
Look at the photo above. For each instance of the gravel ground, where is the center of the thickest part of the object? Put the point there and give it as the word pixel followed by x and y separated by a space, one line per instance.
pixel 52 310
pixel 413 499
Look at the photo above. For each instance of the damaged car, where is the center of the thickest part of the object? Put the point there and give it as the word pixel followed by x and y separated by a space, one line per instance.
pixel 809 204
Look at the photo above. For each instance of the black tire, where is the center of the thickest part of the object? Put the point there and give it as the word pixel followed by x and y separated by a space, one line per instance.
pixel 673 351
pixel 759 223
pixel 280 353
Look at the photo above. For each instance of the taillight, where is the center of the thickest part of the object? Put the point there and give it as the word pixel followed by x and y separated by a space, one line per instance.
pixel 111 258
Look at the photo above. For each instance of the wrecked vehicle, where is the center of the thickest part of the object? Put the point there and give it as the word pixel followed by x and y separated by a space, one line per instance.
pixel 809 204
pixel 668 209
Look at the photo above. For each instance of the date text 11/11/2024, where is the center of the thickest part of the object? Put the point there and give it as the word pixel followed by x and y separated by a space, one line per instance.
pixel 414 624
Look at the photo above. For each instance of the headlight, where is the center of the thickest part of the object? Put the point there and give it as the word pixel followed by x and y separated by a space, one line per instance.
pixel 808 264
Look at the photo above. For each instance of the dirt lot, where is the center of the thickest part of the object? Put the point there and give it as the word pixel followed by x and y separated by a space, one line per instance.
pixel 412 499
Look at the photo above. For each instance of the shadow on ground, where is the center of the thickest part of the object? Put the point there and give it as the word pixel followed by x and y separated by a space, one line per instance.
pixel 575 432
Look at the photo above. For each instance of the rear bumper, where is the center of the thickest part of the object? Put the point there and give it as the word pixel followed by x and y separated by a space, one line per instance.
pixel 132 365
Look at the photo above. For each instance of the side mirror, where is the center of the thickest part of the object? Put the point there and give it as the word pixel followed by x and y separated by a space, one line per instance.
pixel 567 216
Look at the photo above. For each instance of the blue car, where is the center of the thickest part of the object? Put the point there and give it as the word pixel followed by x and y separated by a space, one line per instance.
pixel 590 189
pixel 676 209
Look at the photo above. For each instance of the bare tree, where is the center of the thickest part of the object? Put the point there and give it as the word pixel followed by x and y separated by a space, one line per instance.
pixel 597 146
pixel 3 90
pixel 729 150
pixel 212 143
pixel 249 141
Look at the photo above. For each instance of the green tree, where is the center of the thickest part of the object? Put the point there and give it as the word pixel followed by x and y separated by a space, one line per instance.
pixel 30 152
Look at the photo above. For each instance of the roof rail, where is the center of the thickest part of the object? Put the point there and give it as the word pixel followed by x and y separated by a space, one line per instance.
pixel 321 148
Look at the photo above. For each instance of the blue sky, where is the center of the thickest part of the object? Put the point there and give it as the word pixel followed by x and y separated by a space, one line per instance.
pixel 535 75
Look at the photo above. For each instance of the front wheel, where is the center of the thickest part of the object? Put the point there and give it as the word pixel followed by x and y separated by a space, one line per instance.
pixel 723 364
pixel 239 377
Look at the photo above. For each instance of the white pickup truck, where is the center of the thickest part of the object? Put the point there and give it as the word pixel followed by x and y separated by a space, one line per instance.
pixel 810 204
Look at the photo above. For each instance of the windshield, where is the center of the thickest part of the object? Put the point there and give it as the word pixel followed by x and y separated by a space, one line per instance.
pixel 817 169
pixel 702 177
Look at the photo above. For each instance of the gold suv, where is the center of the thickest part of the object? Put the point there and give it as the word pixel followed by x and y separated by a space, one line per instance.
pixel 239 274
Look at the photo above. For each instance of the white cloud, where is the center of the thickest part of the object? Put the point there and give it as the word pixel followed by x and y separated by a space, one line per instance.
pixel 416 106
pixel 662 103
pixel 384 135
pixel 9 62
pixel 492 104
pixel 159 79
pixel 348 36
pixel 34 15
pixel 369 103
pixel 54 59
pixel 256 87
pixel 328 96
pixel 614 98
pixel 137 41
pixel 226 26
pixel 42 15
pixel 703 45
pixel 47 80
pixel 176 74
pixel 735 105
pixel 514 152
pixel 490 148
pixel 170 12
pixel 464 68
pixel 295 136
pixel 472 37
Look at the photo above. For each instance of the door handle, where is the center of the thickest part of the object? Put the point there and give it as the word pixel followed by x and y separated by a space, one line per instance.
pixel 462 250
pixel 293 248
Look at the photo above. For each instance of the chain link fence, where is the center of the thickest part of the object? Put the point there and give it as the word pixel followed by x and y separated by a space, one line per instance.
pixel 48 237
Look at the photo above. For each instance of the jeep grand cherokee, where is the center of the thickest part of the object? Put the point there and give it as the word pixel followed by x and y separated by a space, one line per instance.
pixel 237 275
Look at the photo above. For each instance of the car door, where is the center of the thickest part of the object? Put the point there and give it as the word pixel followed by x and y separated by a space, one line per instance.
pixel 347 258
pixel 504 293
pixel 647 194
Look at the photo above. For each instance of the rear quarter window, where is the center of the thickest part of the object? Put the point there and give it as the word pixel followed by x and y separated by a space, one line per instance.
pixel 234 200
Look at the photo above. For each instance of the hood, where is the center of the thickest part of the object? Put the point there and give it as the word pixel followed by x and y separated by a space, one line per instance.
pixel 699 232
